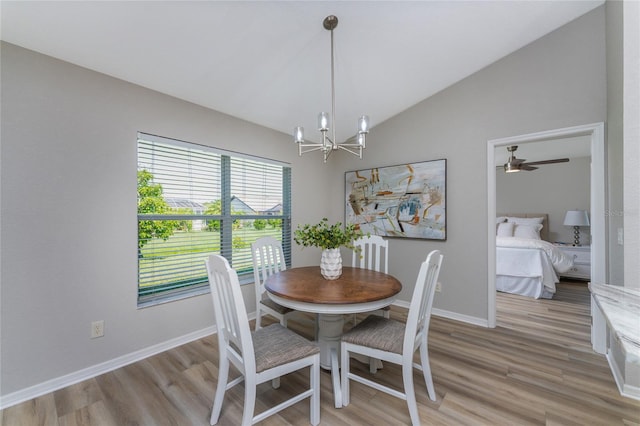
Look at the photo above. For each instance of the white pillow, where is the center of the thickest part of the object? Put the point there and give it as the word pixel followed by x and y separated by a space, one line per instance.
pixel 505 229
pixel 525 220
pixel 501 219
pixel 531 232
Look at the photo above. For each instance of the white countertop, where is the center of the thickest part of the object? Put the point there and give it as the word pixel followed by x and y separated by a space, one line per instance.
pixel 621 308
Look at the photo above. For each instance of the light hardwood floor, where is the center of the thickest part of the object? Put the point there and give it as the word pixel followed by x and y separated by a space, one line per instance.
pixel 535 368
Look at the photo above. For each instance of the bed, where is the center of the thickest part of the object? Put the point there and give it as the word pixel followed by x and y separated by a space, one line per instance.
pixel 526 263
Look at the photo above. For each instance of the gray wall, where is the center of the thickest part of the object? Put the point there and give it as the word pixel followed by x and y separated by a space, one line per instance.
pixel 69 149
pixel 557 81
pixel 68 219
pixel 552 189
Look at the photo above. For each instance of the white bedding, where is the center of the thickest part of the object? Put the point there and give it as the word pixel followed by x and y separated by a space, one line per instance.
pixel 560 261
pixel 528 267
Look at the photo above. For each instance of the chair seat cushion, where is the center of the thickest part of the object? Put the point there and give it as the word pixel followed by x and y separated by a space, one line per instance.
pixel 273 305
pixel 377 332
pixel 276 345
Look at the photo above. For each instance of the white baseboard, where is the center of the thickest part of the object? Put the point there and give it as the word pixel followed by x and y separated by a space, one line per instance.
pixel 95 370
pixel 625 389
pixel 98 369
pixel 482 322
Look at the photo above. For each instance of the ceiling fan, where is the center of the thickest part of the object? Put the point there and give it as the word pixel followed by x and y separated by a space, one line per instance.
pixel 516 164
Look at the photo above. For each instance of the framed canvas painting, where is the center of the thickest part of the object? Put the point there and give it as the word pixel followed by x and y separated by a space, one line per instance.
pixel 405 201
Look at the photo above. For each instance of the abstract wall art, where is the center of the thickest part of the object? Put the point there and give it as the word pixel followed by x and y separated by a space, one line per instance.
pixel 405 201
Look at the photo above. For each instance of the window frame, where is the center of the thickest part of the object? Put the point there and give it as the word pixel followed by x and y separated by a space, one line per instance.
pixel 179 290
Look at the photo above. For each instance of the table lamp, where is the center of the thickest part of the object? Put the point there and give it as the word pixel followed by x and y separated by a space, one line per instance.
pixel 576 218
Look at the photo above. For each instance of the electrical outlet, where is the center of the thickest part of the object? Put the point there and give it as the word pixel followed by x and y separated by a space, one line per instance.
pixel 438 287
pixel 97 329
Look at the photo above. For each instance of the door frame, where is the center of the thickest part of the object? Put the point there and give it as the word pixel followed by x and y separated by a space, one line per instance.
pixel 598 197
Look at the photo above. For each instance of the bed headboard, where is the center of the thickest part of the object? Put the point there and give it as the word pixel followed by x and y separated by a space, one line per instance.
pixel 544 232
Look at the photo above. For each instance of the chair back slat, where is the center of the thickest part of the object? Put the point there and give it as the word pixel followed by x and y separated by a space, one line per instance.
pixel 230 312
pixel 373 253
pixel 419 314
pixel 268 258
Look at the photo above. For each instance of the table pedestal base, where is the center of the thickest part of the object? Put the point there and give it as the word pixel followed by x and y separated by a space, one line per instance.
pixel 329 334
pixel 330 328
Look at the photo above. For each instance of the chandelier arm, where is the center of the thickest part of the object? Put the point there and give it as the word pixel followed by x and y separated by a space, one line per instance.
pixel 327 141
pixel 345 147
pixel 310 147
pixel 327 153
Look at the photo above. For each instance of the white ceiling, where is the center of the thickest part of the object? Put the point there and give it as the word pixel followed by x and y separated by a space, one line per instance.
pixel 268 62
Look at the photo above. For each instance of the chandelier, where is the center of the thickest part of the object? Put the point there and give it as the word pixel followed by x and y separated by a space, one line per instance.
pixel 355 144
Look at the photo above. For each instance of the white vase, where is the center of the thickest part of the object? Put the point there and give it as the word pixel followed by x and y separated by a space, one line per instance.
pixel 331 264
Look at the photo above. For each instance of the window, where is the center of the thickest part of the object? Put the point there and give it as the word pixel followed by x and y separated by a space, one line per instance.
pixel 195 200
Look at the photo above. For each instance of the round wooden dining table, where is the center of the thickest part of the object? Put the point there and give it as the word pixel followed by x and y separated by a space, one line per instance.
pixel 356 290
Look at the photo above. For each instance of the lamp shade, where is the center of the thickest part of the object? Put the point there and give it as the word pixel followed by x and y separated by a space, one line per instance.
pixel 576 218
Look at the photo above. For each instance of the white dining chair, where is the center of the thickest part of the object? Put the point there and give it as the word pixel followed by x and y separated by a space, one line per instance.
pixel 261 356
pixel 395 342
pixel 372 252
pixel 268 258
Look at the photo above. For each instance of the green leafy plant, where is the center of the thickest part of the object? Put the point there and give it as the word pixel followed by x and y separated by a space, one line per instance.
pixel 151 201
pixel 327 236
pixel 259 224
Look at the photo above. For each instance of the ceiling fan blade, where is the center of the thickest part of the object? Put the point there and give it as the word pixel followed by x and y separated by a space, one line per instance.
pixel 557 160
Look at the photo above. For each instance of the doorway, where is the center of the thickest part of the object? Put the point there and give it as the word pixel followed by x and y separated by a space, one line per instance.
pixel 598 184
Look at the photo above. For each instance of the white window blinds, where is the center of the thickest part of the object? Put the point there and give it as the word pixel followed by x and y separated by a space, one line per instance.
pixel 194 200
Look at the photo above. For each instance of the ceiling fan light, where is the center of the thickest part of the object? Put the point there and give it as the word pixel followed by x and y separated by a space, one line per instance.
pixel 510 168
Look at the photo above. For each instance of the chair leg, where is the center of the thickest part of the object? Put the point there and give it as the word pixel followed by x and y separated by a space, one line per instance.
pixel 344 362
pixel 314 373
pixel 426 371
pixel 258 320
pixel 275 383
pixel 409 391
pixel 249 402
pixel 374 364
pixel 223 376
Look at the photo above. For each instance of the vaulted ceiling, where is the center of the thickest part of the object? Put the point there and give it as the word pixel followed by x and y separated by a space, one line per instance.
pixel 268 62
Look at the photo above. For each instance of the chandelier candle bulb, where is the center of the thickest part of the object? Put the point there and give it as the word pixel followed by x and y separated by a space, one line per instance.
pixel 363 124
pixel 323 121
pixel 298 134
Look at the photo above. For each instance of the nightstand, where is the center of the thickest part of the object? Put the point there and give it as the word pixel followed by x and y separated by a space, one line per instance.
pixel 581 256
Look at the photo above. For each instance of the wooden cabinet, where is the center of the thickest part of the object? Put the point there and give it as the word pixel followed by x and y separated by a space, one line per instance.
pixel 581 256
